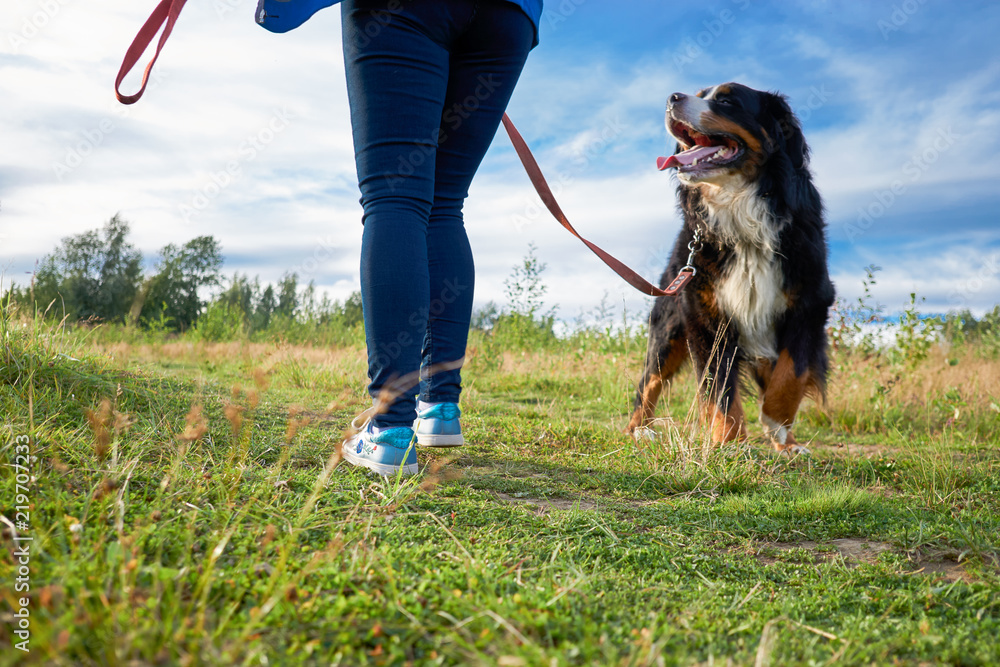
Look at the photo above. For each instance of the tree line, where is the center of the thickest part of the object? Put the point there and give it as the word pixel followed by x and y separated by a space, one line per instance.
pixel 98 276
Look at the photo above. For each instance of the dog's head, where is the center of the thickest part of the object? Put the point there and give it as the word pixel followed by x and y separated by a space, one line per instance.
pixel 730 134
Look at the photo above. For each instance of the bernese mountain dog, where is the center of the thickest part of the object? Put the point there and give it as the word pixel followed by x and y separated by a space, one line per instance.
pixel 753 234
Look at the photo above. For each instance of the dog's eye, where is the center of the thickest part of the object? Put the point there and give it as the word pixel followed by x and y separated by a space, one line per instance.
pixel 724 101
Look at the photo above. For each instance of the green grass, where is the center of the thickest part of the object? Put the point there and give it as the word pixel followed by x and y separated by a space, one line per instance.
pixel 165 537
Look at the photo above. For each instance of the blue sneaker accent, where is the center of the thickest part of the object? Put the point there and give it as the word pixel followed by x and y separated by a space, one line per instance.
pixel 438 426
pixel 385 453
pixel 285 15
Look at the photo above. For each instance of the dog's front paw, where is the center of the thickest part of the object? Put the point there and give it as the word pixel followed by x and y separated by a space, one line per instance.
pixel 645 433
pixel 792 449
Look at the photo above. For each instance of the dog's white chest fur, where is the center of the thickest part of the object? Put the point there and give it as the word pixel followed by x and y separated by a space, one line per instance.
pixel 750 292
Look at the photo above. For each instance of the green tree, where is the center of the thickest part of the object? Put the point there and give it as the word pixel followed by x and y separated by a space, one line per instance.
pixel 172 293
pixel 524 288
pixel 353 313
pixel 266 305
pixel 522 322
pixel 484 318
pixel 94 275
pixel 256 306
pixel 288 297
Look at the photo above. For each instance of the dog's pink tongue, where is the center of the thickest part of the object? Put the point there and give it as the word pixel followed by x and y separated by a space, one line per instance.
pixel 687 157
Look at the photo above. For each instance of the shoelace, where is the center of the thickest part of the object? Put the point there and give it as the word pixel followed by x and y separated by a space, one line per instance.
pixel 367 415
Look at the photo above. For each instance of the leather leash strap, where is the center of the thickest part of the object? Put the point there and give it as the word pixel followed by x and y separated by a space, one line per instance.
pixel 165 13
pixel 545 192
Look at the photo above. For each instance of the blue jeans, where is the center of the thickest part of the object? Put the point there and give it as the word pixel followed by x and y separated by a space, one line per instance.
pixel 428 82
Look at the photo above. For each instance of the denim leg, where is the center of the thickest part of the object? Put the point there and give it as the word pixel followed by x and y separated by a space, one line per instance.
pixel 408 65
pixel 486 61
pixel 396 80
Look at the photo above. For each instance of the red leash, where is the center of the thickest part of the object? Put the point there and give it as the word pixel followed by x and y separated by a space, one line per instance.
pixel 549 199
pixel 167 12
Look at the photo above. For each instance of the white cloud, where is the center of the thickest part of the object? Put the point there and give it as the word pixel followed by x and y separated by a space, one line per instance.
pixel 595 122
pixel 964 277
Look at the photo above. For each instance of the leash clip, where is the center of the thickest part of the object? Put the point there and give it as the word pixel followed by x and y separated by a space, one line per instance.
pixel 694 246
pixel 688 271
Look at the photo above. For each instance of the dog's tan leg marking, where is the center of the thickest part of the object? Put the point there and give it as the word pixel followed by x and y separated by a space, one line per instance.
pixel 650 395
pixel 654 385
pixel 783 394
pixel 725 426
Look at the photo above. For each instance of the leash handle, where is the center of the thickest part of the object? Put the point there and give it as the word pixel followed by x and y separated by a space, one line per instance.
pixel 164 15
pixel 545 192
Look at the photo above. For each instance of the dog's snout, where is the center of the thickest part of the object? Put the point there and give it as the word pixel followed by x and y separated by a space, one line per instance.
pixel 676 98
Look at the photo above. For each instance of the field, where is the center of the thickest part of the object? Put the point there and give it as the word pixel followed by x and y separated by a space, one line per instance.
pixel 185 506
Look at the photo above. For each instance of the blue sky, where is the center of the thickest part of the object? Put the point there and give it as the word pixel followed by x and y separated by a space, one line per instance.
pixel 245 136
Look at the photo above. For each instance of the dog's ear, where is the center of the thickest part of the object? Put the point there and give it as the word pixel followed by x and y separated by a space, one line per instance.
pixel 786 130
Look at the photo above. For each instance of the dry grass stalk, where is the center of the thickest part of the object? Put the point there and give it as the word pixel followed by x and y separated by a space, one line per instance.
pixel 122 422
pixel 195 426
pixel 438 472
pixel 109 485
pixel 976 380
pixel 270 531
pixel 295 423
pixel 99 422
pixel 260 379
pixel 234 413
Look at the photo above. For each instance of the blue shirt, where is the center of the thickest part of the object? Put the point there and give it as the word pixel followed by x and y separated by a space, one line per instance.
pixel 284 15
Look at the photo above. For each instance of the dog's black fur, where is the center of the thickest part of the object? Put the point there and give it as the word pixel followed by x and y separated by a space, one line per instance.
pixel 758 303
